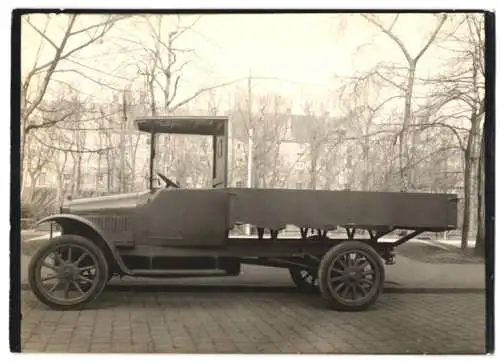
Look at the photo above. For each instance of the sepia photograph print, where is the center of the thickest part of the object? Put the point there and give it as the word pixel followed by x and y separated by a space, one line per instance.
pixel 252 182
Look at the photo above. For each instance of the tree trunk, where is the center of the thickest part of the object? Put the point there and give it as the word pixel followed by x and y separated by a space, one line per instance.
pixel 60 178
pixel 110 175
pixel 22 136
pixel 78 184
pixel 314 166
pixel 22 159
pixel 467 194
pixel 481 221
pixel 403 148
pixel 470 163
pixel 276 167
pixel 366 165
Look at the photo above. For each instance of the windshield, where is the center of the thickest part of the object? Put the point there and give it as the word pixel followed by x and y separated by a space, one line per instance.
pixel 184 159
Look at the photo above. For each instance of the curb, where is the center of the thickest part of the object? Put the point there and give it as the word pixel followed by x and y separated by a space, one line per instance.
pixel 135 287
pixel 434 290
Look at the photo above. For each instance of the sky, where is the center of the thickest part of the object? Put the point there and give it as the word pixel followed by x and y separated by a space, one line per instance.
pixel 304 52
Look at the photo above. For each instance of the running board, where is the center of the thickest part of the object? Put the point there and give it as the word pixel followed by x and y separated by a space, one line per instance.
pixel 178 273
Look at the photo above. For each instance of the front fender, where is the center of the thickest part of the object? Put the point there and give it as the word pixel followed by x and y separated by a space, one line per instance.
pixel 65 219
pixel 60 218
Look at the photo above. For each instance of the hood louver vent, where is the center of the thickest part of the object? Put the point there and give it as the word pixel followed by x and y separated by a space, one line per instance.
pixel 111 224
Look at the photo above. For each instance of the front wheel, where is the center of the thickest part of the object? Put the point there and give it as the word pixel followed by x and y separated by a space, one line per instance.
pixel 351 276
pixel 68 272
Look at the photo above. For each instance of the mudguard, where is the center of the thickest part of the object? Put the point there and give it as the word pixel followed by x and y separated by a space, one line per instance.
pixel 62 218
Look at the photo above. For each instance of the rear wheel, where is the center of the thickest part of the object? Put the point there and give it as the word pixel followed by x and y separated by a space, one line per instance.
pixel 68 272
pixel 351 276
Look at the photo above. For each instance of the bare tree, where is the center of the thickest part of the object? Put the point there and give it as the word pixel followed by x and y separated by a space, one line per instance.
pixel 265 116
pixel 458 96
pixel 370 132
pixel 36 81
pixel 320 132
pixel 407 86
pixel 47 158
pixel 163 62
pixel 481 220
pixel 38 157
pixel 73 142
pixel 278 117
pixel 133 139
pixel 60 165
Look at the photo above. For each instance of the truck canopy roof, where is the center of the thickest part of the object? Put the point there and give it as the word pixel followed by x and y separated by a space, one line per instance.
pixel 189 125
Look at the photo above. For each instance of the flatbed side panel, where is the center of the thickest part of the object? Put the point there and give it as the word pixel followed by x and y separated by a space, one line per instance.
pixel 275 208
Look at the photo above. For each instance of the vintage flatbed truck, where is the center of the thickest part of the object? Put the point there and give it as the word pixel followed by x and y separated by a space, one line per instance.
pixel 170 231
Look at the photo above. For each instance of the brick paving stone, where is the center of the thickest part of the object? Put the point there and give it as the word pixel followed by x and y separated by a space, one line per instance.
pixel 143 322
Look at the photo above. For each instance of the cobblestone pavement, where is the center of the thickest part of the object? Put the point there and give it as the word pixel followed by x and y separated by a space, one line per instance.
pixel 243 322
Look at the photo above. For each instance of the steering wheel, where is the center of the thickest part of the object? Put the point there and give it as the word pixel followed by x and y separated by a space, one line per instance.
pixel 167 181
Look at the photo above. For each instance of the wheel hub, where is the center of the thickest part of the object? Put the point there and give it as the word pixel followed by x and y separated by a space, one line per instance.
pixel 68 271
pixel 352 274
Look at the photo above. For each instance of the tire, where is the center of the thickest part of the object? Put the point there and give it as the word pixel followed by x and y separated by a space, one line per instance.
pixel 301 281
pixel 350 279
pixel 72 275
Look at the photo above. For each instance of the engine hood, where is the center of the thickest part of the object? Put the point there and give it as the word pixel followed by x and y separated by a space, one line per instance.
pixel 117 201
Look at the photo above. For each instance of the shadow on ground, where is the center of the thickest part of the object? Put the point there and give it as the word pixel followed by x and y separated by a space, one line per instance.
pixel 437 253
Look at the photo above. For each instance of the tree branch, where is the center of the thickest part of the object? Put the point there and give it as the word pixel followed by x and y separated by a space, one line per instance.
pixel 391 35
pixel 203 90
pixel 402 88
pixel 110 20
pixel 42 34
pixel 424 126
pixel 77 151
pixel 88 77
pixel 174 93
pixel 52 66
pixel 432 37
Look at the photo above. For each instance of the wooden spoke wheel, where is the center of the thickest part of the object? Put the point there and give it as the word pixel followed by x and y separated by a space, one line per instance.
pixel 351 276
pixel 305 280
pixel 67 272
